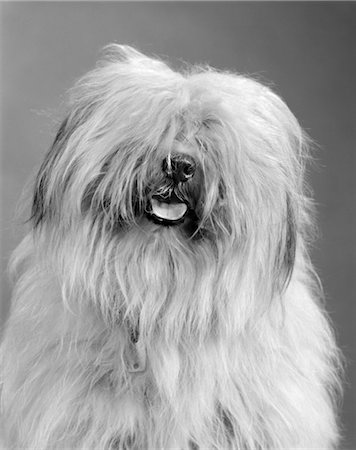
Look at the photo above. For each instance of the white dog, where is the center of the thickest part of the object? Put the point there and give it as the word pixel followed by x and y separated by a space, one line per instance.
pixel 164 296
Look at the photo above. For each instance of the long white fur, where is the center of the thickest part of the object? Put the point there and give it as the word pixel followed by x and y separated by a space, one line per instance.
pixel 240 353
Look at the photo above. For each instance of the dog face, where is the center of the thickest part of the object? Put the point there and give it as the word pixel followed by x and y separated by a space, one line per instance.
pixel 199 174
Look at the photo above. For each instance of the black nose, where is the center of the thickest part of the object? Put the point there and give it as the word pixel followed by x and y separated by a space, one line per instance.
pixel 179 167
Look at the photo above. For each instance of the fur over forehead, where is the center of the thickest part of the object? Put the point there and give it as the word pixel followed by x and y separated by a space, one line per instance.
pixel 141 101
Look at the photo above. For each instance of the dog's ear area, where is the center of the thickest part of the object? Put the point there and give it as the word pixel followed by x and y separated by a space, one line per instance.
pixel 42 203
pixel 290 147
pixel 286 253
pixel 290 244
pixel 54 174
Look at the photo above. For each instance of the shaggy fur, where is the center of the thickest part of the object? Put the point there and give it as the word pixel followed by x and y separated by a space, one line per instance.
pixel 208 333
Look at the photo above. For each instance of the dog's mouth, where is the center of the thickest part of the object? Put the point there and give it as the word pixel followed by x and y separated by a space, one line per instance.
pixel 167 209
pixel 172 199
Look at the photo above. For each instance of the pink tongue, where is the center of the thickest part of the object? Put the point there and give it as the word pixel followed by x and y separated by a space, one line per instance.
pixel 168 211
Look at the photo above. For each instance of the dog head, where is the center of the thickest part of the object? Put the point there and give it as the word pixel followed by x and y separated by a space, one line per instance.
pixel 179 180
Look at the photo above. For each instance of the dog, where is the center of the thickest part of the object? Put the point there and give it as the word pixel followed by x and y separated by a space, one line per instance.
pixel 164 296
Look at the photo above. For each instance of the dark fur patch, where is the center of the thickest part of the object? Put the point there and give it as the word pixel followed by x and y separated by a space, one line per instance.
pixel 291 239
pixel 287 248
pixel 193 445
pixel 226 420
pixel 41 208
pixel 126 443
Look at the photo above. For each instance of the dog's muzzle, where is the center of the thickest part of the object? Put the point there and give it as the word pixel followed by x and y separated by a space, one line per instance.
pixel 168 205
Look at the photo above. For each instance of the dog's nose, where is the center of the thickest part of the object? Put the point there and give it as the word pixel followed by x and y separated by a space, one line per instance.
pixel 179 167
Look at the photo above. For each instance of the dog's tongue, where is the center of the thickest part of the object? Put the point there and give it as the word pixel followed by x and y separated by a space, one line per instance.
pixel 168 211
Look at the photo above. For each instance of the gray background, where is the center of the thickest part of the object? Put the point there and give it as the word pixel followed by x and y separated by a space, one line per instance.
pixel 306 49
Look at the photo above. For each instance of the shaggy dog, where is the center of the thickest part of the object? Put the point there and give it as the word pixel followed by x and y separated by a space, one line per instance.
pixel 164 295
